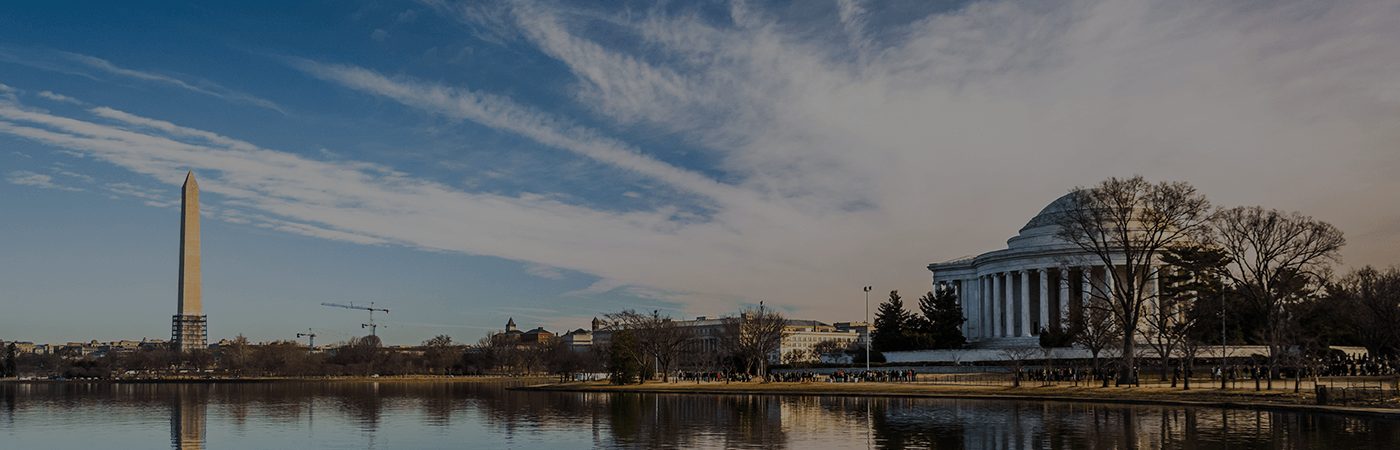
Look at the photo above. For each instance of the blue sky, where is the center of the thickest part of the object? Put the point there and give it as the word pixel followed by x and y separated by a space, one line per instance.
pixel 462 163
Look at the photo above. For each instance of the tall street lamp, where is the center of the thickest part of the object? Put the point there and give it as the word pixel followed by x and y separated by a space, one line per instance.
pixel 867 329
pixel 1222 342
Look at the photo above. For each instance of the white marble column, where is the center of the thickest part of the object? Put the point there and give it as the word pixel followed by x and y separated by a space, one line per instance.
pixel 962 301
pixel 1089 295
pixel 1110 275
pixel 970 311
pixel 1044 299
pixel 1025 303
pixel 1004 316
pixel 1012 304
pixel 992 306
pixel 1009 315
pixel 1088 285
pixel 986 317
pixel 1063 273
pixel 982 306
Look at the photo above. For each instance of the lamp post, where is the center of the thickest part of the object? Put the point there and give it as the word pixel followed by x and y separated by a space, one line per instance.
pixel 1222 342
pixel 867 329
pixel 656 360
pixel 763 360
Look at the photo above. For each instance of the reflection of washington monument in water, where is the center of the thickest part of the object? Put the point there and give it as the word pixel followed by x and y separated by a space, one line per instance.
pixel 187 420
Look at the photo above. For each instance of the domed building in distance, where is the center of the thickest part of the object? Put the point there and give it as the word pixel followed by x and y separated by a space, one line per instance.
pixel 1039 281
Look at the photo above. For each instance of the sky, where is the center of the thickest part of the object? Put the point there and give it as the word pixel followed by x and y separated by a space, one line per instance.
pixel 465 163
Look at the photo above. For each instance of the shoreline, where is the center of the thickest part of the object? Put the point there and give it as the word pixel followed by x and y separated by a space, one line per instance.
pixel 257 380
pixel 1201 398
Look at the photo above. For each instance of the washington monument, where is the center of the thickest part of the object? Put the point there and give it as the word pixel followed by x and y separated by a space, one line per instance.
pixel 187 331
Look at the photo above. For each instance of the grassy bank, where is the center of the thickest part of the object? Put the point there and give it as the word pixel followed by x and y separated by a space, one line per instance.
pixel 1281 400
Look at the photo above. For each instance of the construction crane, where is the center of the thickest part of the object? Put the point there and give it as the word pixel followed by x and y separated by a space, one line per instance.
pixel 373 327
pixel 309 334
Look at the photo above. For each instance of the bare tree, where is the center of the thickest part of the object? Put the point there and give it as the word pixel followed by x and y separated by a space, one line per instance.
pixel 439 353
pixel 797 357
pixel 500 352
pixel 1372 304
pixel 1096 330
pixel 283 358
pixel 1125 223
pixel 832 349
pixel 1165 330
pixel 658 336
pixel 1277 259
pixel 237 355
pixel 1017 356
pixel 752 336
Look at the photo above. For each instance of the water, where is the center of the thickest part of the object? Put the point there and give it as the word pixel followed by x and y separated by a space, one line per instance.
pixel 485 415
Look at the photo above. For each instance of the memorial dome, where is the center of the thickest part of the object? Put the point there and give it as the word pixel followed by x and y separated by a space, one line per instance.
pixel 1042 229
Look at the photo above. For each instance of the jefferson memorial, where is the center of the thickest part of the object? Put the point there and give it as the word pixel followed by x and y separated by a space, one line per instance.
pixel 1037 282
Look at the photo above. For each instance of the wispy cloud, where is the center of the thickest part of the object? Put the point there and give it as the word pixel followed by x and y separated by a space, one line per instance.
pixel 59 97
pixel 89 66
pixel 148 196
pixel 61 170
pixel 39 180
pixel 356 202
pixel 544 271
pixel 503 114
pixel 840 160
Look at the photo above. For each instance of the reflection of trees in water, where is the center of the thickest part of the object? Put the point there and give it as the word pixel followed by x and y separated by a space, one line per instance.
pixel 7 404
pixel 641 420
pixel 899 423
pixel 637 420
pixel 1013 424
pixel 688 420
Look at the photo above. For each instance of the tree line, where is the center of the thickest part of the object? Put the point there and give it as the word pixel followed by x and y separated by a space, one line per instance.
pixel 938 325
pixel 641 347
pixel 647 346
pixel 360 356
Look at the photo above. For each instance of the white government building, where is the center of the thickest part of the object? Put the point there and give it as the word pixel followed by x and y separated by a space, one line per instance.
pixel 1037 282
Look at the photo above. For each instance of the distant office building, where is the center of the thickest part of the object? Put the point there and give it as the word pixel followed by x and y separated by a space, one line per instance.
pixel 79 349
pixel 21 347
pixel 581 340
pixel 862 330
pixel 152 344
pixel 801 337
pixel 536 336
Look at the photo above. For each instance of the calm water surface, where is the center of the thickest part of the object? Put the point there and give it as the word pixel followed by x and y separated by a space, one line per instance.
pixel 468 415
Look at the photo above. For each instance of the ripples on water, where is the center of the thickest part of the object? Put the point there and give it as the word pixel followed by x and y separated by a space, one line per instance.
pixel 486 415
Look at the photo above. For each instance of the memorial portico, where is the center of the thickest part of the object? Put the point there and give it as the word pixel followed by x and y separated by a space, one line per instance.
pixel 1038 282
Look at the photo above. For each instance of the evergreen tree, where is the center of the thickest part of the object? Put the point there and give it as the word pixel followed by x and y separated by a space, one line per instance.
pixel 623 363
pixel 892 324
pixel 943 319
pixel 8 369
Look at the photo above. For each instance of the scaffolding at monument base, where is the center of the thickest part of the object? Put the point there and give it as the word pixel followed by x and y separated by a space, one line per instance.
pixel 188 333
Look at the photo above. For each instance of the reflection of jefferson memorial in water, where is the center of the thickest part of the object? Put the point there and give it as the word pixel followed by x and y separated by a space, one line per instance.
pixel 1037 282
